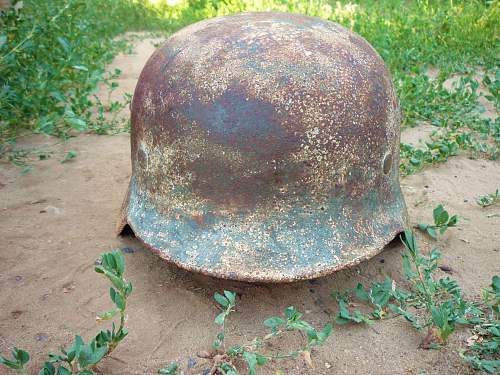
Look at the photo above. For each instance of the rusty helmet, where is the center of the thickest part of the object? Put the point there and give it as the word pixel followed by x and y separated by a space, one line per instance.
pixel 265 147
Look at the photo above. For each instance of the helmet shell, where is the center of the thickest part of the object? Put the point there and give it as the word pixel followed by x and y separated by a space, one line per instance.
pixel 265 147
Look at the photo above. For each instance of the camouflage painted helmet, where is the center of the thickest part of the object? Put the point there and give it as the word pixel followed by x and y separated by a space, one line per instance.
pixel 265 147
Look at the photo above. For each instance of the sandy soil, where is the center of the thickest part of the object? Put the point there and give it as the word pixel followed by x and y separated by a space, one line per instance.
pixel 56 221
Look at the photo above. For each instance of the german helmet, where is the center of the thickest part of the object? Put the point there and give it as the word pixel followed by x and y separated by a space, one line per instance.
pixel 265 148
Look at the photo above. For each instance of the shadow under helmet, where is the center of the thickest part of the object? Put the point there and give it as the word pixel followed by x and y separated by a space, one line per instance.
pixel 265 147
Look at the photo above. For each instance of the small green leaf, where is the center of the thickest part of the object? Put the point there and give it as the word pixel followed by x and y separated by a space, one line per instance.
pixel 300 325
pixel 109 262
pixel 227 369
pixel 76 347
pixel 117 282
pixel 274 322
pixel 439 316
pixel 440 215
pixel 431 231
pixel 435 254
pixel 251 359
pixel 221 300
pixel 63 42
pixel 495 283
pixel 128 289
pixel 69 156
pixel 379 295
pixel 423 227
pixel 81 67
pixel 325 333
pixel 9 363
pixel 112 293
pixel 119 261
pixel 340 320
pixel 292 313
pixel 235 351
pixel 3 40
pixel 219 319
pixel 47 369
pixel 63 371
pixel 219 339
pixel 410 242
pixel 408 269
pixel 231 297
pixel 261 360
pixel 489 367
pixel 21 356
pixel 107 315
pixel 312 335
pixel 76 123
pixel 90 354
pixel 344 312
pixel 170 370
pixel 361 293
pixel 453 221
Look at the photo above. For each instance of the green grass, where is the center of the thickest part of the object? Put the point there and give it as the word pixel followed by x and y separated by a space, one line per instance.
pixel 53 55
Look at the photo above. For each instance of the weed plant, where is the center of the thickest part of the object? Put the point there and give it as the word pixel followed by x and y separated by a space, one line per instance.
pixel 52 56
pixel 435 306
pixel 81 358
pixel 223 360
pixel 442 221
pixel 489 199
pixel 484 348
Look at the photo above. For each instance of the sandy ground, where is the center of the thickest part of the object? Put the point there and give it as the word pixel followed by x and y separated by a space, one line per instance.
pixel 56 221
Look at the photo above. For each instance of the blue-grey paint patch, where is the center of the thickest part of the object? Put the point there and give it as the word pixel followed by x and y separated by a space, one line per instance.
pixel 249 49
pixel 290 243
pixel 233 118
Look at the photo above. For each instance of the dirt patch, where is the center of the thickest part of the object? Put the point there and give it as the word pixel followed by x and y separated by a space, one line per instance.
pixel 56 221
pixel 418 135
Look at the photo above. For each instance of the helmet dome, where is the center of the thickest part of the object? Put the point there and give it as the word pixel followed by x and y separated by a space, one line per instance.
pixel 265 147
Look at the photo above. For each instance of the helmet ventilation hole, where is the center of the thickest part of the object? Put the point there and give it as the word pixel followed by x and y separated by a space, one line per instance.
pixel 387 163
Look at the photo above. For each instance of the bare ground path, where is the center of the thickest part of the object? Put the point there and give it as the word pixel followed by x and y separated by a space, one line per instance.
pixel 56 221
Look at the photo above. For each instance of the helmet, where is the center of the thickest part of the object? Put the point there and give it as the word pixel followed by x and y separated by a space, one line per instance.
pixel 265 147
